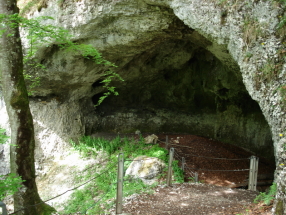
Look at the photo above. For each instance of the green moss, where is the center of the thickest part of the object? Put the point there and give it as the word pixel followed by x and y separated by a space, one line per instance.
pixel 279 207
pixel 45 209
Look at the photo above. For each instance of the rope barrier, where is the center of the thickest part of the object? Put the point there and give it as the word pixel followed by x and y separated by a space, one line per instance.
pixel 63 192
pixel 134 177
pixel 101 197
pixel 186 167
pixel 205 156
pixel 95 164
pixel 151 158
pixel 218 158
pixel 178 156
pixel 222 170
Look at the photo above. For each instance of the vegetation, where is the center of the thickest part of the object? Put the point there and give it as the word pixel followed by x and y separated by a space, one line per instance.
pixel 267 197
pixel 100 193
pixel 40 35
pixel 11 183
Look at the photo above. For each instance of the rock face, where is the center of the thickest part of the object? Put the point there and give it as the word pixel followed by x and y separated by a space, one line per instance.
pixel 146 169
pixel 205 67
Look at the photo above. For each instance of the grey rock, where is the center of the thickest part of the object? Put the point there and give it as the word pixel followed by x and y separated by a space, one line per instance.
pixel 145 168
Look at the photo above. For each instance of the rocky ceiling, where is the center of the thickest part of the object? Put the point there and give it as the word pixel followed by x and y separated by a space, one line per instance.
pixel 176 81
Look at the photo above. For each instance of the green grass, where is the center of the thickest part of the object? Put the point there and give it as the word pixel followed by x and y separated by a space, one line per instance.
pixel 99 194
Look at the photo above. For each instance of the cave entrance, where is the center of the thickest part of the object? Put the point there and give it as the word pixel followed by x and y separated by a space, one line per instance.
pixel 186 86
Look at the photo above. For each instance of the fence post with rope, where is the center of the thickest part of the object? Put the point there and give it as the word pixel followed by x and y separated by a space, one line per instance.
pixel 253 170
pixel 119 193
pixel 169 176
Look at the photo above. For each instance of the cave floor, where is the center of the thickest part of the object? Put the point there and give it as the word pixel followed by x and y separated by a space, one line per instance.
pixel 212 160
pixel 195 199
pixel 216 193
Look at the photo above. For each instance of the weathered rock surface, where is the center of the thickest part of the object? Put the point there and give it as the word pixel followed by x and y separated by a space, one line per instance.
pixel 151 139
pixel 192 66
pixel 145 168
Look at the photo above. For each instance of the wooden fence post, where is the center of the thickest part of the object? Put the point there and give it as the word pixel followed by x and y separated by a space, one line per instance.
pixel 4 209
pixel 169 176
pixel 250 177
pixel 253 171
pixel 167 142
pixel 119 193
pixel 183 164
pixel 196 177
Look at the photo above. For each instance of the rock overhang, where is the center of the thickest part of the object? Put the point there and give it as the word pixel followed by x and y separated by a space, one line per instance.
pixel 167 66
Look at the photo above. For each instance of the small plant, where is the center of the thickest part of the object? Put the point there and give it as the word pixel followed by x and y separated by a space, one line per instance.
pixel 283 94
pixel 267 197
pixel 248 55
pixel 11 183
pixel 178 172
pixel 252 29
pixel 3 136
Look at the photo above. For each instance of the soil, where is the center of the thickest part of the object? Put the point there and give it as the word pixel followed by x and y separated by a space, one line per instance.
pixel 217 191
pixel 212 160
pixel 194 199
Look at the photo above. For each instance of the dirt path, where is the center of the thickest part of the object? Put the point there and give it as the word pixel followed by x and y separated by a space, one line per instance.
pixel 193 199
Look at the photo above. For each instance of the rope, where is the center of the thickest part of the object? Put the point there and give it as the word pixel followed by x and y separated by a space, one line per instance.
pixel 95 164
pixel 205 156
pixel 218 158
pixel 218 170
pixel 161 157
pixel 64 192
pixel 134 177
pixel 101 197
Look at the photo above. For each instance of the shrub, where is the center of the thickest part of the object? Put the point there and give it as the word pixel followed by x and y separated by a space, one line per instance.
pixel 11 183
pixel 267 197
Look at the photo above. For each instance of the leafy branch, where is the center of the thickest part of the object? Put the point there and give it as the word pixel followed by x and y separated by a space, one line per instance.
pixel 40 35
pixel 11 183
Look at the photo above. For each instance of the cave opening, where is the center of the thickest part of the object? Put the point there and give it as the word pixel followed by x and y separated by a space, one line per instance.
pixel 182 86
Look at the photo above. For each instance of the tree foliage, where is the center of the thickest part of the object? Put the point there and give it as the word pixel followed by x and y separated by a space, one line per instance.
pixel 11 183
pixel 39 35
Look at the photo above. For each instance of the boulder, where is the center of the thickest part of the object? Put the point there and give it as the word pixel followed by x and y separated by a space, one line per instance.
pixel 146 168
pixel 151 139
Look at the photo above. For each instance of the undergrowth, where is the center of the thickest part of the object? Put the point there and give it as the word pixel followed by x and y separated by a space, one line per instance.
pixel 9 184
pixel 99 195
pixel 267 197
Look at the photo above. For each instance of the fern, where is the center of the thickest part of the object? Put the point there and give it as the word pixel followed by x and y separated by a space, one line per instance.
pixel 267 197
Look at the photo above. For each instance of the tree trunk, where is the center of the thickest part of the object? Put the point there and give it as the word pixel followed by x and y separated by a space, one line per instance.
pixel 21 122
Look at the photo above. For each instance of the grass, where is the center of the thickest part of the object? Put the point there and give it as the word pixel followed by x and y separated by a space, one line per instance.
pixel 99 195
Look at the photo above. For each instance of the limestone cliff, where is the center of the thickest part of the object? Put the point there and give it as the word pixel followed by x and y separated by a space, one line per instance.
pixel 206 67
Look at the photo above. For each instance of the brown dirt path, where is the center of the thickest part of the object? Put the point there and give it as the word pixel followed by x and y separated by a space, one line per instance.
pixel 193 199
